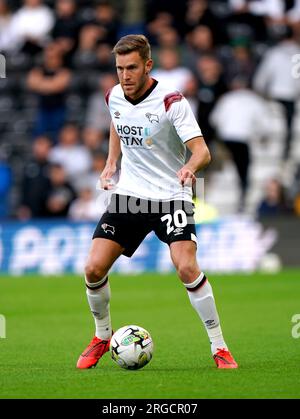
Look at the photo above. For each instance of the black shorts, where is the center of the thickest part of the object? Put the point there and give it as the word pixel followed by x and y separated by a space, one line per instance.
pixel 128 220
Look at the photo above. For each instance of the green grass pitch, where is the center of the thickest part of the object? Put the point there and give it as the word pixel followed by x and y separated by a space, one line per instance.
pixel 48 324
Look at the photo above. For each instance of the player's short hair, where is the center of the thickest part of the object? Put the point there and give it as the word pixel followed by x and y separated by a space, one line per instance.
pixel 130 43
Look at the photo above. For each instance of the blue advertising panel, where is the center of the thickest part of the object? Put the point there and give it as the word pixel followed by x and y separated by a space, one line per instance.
pixel 54 247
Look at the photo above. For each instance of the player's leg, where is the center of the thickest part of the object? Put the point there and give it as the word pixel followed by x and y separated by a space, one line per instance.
pixel 116 233
pixel 183 254
pixel 102 255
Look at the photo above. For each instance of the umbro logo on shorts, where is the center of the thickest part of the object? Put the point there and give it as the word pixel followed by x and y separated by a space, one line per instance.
pixel 108 229
pixel 178 231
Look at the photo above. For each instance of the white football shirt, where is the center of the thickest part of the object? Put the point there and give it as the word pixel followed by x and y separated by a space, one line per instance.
pixel 152 131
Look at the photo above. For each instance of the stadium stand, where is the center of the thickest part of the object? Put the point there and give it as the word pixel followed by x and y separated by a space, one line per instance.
pixel 236 35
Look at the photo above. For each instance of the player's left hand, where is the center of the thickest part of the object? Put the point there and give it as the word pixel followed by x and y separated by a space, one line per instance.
pixel 186 177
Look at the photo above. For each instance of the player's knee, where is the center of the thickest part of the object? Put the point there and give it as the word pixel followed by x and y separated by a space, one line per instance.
pixel 186 271
pixel 94 271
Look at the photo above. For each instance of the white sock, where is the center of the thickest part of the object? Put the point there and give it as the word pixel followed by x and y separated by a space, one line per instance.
pixel 202 299
pixel 98 295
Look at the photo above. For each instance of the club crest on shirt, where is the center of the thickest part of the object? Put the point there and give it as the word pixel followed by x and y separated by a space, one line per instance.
pixel 152 117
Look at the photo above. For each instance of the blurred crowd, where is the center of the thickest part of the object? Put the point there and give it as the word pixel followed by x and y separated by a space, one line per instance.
pixel 228 57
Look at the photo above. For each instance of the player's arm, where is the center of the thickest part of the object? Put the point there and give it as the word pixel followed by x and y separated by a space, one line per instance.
pixel 114 152
pixel 199 159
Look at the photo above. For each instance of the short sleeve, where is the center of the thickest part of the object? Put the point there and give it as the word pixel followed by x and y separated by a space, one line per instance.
pixel 182 118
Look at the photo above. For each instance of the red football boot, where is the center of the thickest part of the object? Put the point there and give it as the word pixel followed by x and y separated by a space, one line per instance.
pixel 224 359
pixel 96 349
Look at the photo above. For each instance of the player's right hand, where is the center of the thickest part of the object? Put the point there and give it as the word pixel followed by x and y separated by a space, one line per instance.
pixel 106 176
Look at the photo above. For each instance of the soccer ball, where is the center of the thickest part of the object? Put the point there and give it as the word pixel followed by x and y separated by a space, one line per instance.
pixel 131 347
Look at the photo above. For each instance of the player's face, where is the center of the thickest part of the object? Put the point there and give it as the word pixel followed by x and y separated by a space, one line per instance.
pixel 133 73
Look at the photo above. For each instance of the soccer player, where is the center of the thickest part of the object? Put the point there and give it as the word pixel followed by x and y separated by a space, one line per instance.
pixel 151 126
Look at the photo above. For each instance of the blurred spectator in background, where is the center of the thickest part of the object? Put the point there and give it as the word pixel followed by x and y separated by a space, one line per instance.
pixel 107 19
pixel 5 23
pixel 168 37
pixel 94 139
pixel 97 114
pixel 199 13
pixel 104 58
pixel 199 42
pixel 84 208
pixel 91 181
pixel 248 18
pixel 273 202
pixel 211 86
pixel 161 21
pixel 50 82
pixel 292 11
pixel 35 182
pixel 164 12
pixel 240 61
pixel 190 92
pixel 85 55
pixel 5 187
pixel 274 79
pixel 70 154
pixel 60 193
pixel 30 26
pixel 169 71
pixel 66 27
pixel 92 178
pixel 278 14
pixel 91 201
pixel 239 116
pixel 96 38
